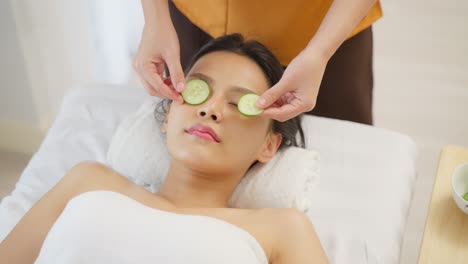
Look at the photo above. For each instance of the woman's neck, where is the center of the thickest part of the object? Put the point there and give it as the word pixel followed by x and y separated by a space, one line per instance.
pixel 185 188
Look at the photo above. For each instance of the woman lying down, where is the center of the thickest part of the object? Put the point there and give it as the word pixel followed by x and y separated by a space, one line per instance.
pixel 95 215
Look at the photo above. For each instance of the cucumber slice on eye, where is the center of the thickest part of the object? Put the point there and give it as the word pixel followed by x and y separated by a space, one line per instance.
pixel 246 105
pixel 196 92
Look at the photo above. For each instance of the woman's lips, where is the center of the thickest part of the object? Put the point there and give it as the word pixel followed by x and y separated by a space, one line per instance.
pixel 204 132
pixel 200 134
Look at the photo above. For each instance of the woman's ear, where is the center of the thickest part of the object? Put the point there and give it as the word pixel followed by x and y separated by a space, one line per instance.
pixel 270 147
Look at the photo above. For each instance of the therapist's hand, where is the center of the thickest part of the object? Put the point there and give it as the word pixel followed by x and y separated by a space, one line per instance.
pixel 160 45
pixel 297 90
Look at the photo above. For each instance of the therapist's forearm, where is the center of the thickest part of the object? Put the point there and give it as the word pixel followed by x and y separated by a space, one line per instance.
pixel 342 17
pixel 155 11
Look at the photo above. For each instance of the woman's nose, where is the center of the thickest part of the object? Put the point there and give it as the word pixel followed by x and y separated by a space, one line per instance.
pixel 211 109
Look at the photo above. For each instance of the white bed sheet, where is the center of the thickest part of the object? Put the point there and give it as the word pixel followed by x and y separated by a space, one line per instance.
pixel 360 207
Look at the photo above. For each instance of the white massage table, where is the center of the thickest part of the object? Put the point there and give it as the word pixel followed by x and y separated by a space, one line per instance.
pixel 360 206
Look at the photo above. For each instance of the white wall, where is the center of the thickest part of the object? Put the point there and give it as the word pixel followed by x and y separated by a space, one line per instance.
pixel 55 42
pixel 116 27
pixel 50 47
pixel 16 101
pixel 18 117
pixel 52 36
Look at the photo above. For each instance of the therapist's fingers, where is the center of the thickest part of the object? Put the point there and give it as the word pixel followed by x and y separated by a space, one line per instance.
pixel 282 113
pixel 175 70
pixel 153 78
pixel 272 95
pixel 155 93
pixel 154 81
pixel 149 89
pixel 287 107
pixel 176 95
pixel 150 73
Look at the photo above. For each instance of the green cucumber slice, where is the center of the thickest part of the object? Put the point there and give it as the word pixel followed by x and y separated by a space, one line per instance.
pixel 196 92
pixel 246 105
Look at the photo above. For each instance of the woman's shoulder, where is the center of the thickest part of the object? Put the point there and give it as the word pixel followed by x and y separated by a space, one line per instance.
pixel 281 220
pixel 288 223
pixel 285 228
pixel 92 175
pixel 280 217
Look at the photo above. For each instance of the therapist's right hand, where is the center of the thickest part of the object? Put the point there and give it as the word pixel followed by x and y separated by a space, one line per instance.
pixel 159 45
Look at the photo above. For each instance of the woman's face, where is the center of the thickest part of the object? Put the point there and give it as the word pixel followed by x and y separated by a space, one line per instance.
pixel 242 140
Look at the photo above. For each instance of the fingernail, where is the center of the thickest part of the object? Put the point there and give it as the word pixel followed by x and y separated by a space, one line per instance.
pixel 180 87
pixel 261 102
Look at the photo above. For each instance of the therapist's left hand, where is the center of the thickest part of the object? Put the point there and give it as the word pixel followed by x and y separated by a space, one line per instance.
pixel 297 90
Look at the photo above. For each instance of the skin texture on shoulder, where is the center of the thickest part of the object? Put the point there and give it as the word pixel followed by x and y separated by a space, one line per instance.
pixel 294 237
pixel 24 242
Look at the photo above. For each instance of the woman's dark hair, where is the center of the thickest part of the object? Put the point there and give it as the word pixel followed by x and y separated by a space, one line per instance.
pixel 269 64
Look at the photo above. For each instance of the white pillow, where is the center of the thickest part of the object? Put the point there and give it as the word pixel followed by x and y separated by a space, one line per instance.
pixel 138 151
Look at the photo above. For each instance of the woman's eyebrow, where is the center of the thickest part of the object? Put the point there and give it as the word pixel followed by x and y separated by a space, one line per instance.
pixel 210 81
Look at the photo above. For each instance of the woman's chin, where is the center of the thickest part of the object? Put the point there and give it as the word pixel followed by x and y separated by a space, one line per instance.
pixel 195 152
pixel 201 159
pixel 194 157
